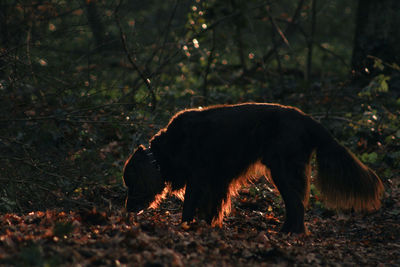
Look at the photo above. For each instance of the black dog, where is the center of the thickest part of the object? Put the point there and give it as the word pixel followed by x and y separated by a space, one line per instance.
pixel 207 154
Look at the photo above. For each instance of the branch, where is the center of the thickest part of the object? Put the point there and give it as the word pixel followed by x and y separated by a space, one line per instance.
pixel 132 60
pixel 278 29
pixel 285 33
pixel 310 41
pixel 209 61
pixel 339 57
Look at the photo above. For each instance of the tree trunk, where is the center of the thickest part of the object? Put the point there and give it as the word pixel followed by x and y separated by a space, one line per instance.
pixel 377 33
pixel 4 26
pixel 95 23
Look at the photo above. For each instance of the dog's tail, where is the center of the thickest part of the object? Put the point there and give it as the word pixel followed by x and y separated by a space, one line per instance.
pixel 343 180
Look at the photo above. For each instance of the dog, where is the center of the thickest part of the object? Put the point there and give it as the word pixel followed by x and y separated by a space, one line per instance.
pixel 205 155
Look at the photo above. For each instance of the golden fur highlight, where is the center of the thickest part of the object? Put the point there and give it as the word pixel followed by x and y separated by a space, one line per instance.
pixel 160 197
pixel 359 188
pixel 167 191
pixel 354 199
pixel 254 172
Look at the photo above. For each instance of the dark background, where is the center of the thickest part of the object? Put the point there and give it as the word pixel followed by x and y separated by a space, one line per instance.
pixel 83 82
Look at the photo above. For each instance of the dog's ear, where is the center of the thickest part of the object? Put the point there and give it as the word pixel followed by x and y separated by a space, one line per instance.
pixel 139 154
pixel 140 148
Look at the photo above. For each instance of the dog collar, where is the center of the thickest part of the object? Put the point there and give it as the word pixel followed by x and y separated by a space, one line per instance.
pixel 153 160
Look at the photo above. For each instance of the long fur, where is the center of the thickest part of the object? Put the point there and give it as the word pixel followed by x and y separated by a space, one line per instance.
pixel 343 180
pixel 208 154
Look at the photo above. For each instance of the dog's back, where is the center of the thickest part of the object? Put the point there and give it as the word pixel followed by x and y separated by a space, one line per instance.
pixel 211 151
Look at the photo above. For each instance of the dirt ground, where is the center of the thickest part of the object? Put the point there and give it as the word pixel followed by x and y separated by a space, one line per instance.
pixel 108 236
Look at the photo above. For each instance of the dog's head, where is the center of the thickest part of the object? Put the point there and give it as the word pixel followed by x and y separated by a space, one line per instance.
pixel 143 179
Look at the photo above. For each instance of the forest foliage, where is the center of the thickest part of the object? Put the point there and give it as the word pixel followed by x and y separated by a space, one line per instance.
pixel 83 82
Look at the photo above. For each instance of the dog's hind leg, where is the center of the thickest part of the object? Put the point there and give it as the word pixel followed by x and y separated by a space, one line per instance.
pixel 292 182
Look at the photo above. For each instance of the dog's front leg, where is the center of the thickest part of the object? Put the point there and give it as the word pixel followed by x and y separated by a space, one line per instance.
pixel 190 202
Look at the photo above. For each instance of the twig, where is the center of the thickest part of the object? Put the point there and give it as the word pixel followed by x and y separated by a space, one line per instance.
pixel 278 29
pixel 287 30
pixel 220 20
pixel 338 118
pixel 285 33
pixel 310 41
pixel 339 57
pixel 275 46
pixel 392 66
pixel 209 61
pixel 131 59
pixel 64 198
pixel 167 30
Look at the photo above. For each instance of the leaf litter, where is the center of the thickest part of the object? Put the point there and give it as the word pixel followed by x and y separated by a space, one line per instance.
pixel 109 236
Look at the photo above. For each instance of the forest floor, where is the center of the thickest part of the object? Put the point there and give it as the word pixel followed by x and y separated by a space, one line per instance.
pixel 109 236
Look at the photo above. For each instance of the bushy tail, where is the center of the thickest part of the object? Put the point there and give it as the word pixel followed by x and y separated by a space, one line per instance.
pixel 343 180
